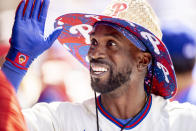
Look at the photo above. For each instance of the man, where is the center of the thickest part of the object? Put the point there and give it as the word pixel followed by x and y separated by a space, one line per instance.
pixel 181 43
pixel 129 67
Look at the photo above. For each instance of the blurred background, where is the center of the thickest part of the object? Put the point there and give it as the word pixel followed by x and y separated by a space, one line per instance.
pixel 56 75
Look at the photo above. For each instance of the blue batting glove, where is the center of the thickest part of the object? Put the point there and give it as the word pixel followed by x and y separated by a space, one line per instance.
pixel 27 40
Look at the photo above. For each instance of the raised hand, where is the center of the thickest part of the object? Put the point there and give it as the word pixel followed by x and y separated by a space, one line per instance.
pixel 27 41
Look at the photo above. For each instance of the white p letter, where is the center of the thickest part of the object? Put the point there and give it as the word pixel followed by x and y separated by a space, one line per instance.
pixel 165 71
pixel 150 37
pixel 93 16
pixel 84 30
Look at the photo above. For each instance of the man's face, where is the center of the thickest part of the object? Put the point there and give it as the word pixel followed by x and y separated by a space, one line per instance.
pixel 112 59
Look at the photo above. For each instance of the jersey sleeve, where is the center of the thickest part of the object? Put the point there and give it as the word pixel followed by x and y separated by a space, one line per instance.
pixel 53 116
pixel 182 116
pixel 42 117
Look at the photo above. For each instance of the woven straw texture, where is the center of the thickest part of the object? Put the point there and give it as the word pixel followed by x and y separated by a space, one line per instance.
pixel 136 11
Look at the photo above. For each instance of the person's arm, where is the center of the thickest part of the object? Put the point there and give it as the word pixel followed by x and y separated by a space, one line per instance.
pixel 11 118
pixel 27 40
pixel 43 116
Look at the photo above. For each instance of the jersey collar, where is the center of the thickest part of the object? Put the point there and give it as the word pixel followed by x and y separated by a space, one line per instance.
pixel 136 120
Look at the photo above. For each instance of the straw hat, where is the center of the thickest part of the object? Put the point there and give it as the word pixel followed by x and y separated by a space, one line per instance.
pixel 160 79
pixel 136 11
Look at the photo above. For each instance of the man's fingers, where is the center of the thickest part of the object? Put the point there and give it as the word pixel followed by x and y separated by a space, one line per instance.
pixel 29 5
pixel 44 10
pixel 36 9
pixel 19 10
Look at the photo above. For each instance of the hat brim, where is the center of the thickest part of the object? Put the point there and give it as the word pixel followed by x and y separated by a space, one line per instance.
pixel 161 79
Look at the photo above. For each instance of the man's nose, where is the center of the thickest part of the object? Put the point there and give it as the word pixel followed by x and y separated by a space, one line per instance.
pixel 97 53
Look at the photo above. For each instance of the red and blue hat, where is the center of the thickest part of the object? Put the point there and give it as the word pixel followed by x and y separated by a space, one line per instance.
pixel 160 79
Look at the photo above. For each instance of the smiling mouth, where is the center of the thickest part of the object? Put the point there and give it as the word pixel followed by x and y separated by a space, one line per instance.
pixel 98 70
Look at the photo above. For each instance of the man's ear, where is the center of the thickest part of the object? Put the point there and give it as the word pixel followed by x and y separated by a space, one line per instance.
pixel 144 59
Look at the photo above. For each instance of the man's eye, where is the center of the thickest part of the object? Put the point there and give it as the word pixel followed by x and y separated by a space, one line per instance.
pixel 111 43
pixel 93 42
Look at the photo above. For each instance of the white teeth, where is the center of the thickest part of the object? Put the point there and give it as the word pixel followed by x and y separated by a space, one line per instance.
pixel 99 69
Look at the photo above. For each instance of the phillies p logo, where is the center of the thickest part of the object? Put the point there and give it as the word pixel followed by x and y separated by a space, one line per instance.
pixel 119 7
pixel 84 30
